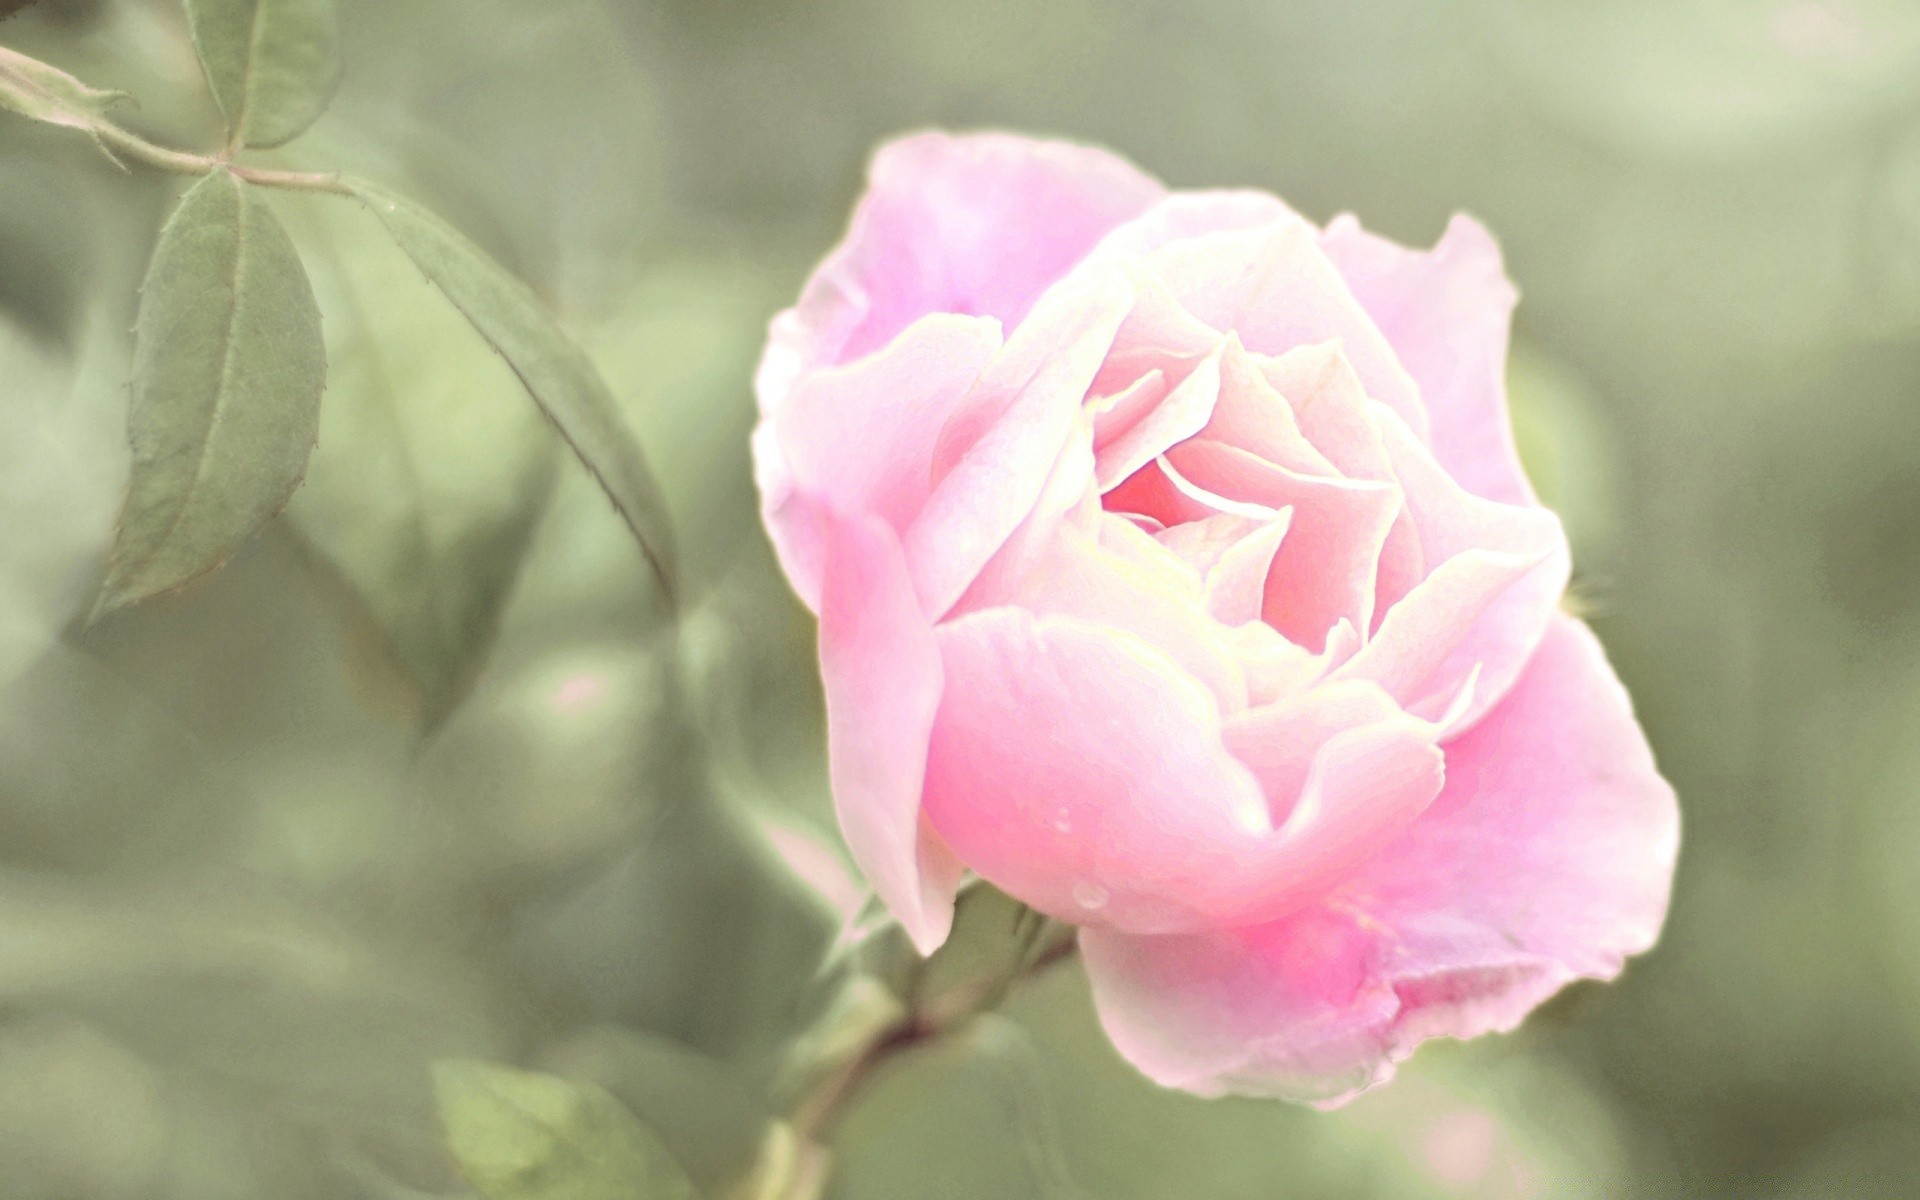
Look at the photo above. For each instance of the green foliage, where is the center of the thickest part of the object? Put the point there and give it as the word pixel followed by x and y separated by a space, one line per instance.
pixel 559 377
pixel 227 375
pixel 272 64
pixel 519 1135
pixel 432 468
pixel 45 93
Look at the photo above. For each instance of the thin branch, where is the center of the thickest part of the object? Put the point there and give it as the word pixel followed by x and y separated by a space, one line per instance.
pixel 183 163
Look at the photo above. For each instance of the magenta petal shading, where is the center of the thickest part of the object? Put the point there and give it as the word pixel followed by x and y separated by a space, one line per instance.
pixel 1446 312
pixel 880 664
pixel 1547 857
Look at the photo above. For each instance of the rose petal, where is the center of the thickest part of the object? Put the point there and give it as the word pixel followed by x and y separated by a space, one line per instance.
pixel 1234 556
pixel 1279 741
pixel 1080 769
pixel 861 438
pixel 1162 496
pixel 1548 857
pixel 1277 289
pixel 1275 667
pixel 1136 427
pixel 977 224
pixel 1501 571
pixel 1067 499
pixel 1254 416
pixel 1447 312
pixel 1477 615
pixel 1326 568
pixel 1115 575
pixel 1329 405
pixel 1000 448
pixel 1184 214
pixel 881 667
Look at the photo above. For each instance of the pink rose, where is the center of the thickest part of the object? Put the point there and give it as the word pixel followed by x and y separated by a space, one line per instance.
pixel 1176 574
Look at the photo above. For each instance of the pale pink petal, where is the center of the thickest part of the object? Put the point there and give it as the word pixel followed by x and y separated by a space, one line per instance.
pixel 1187 214
pixel 1327 408
pixel 881 666
pixel 1277 289
pixel 1276 668
pixel 1336 794
pixel 1329 405
pixel 1116 575
pixel 1200 543
pixel 1254 416
pixel 861 438
pixel 1136 427
pixel 977 224
pixel 1000 449
pixel 1162 496
pixel 1233 555
pixel 1548 857
pixel 1080 769
pixel 1077 767
pixel 1447 312
pixel 1279 741
pixel 1478 615
pixel 1326 568
pixel 1236 582
pixel 1501 570
pixel 1068 499
pixel 1158 333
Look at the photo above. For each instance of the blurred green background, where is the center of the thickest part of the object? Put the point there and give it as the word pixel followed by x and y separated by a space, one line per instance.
pixel 268 848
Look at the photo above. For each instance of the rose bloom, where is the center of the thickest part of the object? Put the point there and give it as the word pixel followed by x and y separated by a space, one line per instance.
pixel 1176 574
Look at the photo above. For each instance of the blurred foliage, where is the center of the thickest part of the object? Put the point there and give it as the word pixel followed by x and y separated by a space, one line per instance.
pixel 270 848
pixel 521 1135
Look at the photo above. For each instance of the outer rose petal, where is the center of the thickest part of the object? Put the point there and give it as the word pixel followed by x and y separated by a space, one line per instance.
pixel 1547 857
pixel 862 437
pixel 1185 214
pixel 998 454
pixel 1496 572
pixel 1276 289
pixel 881 667
pixel 1078 768
pixel 1446 311
pixel 975 224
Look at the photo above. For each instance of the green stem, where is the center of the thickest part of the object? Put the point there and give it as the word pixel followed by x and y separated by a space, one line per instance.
pixel 182 163
pixel 136 147
pixel 816 1114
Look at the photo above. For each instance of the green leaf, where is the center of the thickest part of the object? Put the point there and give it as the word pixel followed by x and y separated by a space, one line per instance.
pixel 45 93
pixel 556 373
pixel 519 1135
pixel 272 64
pixel 228 368
pixel 432 469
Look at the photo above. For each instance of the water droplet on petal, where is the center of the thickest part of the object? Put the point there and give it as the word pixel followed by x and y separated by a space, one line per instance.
pixel 1089 895
pixel 1063 821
